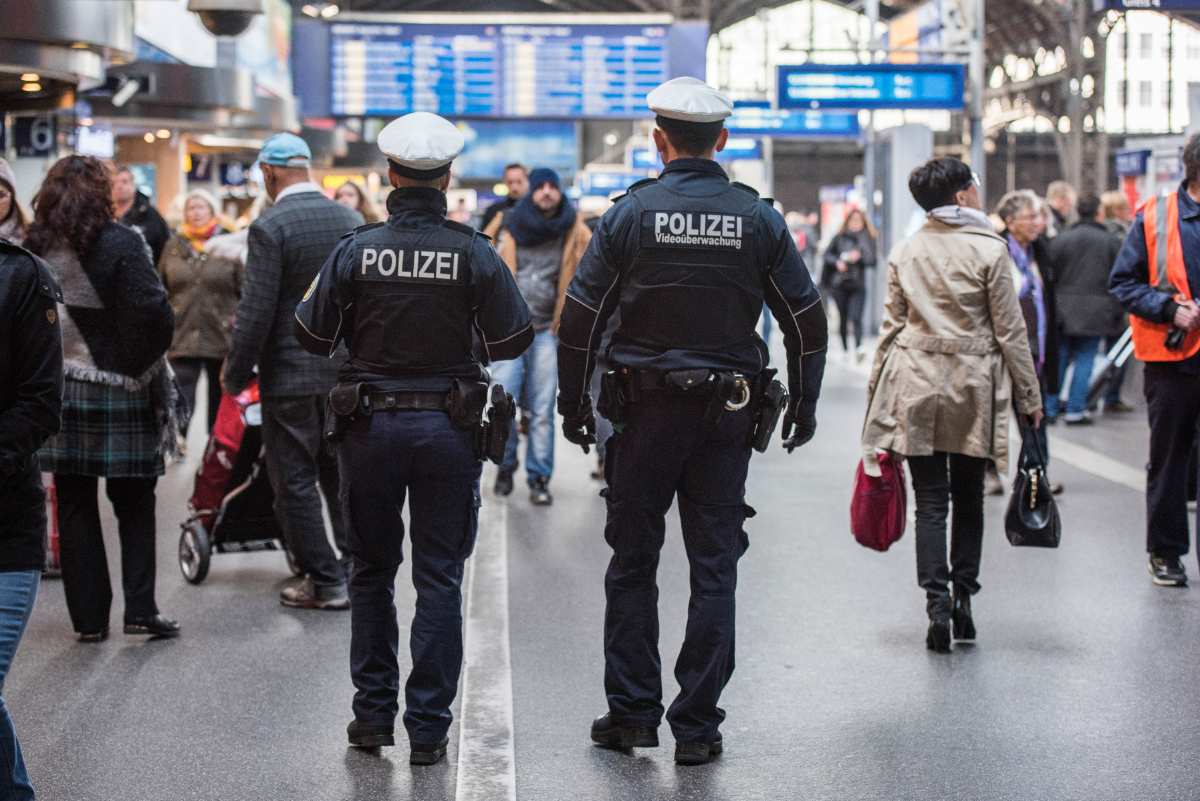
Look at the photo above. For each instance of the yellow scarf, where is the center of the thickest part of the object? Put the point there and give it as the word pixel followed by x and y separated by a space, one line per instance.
pixel 197 237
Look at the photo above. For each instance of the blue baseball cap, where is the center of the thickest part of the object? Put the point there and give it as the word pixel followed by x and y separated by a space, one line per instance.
pixel 285 150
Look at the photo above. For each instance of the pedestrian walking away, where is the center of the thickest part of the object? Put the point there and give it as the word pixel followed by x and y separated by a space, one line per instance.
pixel 953 355
pixel 287 245
pixel 541 239
pixel 689 258
pixel 849 266
pixel 30 408
pixel 406 297
pixel 1081 259
pixel 1157 280
pixel 121 411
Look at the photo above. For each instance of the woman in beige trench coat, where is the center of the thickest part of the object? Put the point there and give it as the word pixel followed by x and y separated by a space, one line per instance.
pixel 953 357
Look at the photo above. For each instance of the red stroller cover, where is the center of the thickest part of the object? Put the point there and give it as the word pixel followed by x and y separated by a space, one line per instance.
pixel 212 479
pixel 879 508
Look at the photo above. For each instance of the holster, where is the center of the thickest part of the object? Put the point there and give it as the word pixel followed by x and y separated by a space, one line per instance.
pixel 771 400
pixel 466 402
pixel 492 436
pixel 343 405
pixel 615 396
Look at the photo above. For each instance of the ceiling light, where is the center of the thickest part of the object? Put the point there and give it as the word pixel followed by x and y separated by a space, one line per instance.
pixel 148 138
pixel 30 77
pixel 31 87
pixel 163 133
pixel 330 11
pixel 309 10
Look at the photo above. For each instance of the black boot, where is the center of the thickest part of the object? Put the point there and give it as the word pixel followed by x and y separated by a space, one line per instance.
pixel 427 753
pixel 608 733
pixel 367 735
pixel 155 626
pixel 964 626
pixel 938 637
pixel 504 483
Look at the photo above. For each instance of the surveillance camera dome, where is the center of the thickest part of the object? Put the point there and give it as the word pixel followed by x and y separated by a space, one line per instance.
pixel 225 17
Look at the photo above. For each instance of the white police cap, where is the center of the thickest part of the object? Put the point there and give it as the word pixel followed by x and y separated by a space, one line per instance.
pixel 689 100
pixel 421 145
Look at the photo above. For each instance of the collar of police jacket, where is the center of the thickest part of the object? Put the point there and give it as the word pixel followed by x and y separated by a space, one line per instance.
pixel 417 198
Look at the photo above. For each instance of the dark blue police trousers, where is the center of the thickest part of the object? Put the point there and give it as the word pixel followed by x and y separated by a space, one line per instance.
pixel 667 449
pixel 384 458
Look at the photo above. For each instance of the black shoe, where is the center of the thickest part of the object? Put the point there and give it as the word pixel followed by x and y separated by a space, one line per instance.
pixel 1167 571
pixel 157 626
pixel 937 639
pixel 1118 407
pixel 94 636
pixel 306 594
pixel 1056 488
pixel 609 734
pixel 504 483
pixel 960 617
pixel 427 753
pixel 367 735
pixel 539 492
pixel 698 753
pixel 1078 420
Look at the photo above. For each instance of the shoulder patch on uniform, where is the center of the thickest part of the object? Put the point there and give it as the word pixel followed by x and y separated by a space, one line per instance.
pixel 634 187
pixel 744 187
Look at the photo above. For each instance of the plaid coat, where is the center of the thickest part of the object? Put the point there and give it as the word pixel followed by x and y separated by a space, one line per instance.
pixel 288 245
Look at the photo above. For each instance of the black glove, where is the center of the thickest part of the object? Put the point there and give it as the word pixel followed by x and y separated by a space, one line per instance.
pixel 799 425
pixel 579 424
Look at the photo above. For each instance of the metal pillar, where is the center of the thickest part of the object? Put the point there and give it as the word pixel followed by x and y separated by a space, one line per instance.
pixel 872 7
pixel 978 86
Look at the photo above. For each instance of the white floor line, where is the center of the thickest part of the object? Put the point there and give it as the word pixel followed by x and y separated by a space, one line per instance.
pixel 486 761
pixel 1078 456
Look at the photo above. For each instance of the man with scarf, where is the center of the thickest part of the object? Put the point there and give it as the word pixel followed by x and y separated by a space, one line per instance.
pixel 541 241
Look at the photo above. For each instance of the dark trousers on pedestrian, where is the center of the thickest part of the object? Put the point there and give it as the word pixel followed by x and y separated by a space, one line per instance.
pixel 849 300
pixel 187 373
pixel 81 544
pixel 669 450
pixel 948 486
pixel 386 458
pixel 297 460
pixel 1173 398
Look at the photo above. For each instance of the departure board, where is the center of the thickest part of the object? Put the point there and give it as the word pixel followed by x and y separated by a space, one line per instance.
pixel 384 69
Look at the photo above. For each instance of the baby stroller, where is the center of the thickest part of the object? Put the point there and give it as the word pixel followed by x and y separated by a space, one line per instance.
pixel 231 504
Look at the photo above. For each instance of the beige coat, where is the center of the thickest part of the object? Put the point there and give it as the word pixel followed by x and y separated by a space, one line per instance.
pixel 574 245
pixel 952 348
pixel 203 289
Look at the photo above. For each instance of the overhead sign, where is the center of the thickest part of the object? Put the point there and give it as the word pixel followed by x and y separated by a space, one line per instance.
pixel 871 86
pixel 1132 162
pixel 493 144
pixel 34 136
pixel 758 121
pixel 642 158
pixel 741 148
pixel 603 184
pixel 521 70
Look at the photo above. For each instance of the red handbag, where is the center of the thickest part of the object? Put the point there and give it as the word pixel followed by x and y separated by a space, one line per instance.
pixel 879 508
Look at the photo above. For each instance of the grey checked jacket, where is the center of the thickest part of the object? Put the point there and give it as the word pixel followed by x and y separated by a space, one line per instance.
pixel 288 244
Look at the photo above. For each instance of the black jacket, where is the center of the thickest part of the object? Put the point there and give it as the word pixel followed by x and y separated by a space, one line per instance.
pixel 31 386
pixel 1082 258
pixel 1049 372
pixel 146 219
pixel 504 204
pixel 855 277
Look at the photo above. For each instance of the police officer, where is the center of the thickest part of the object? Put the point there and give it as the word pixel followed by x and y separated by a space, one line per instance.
pixel 689 258
pixel 407 296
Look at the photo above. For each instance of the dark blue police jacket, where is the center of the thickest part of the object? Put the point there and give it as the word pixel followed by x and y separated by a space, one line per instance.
pixel 689 258
pixel 419 300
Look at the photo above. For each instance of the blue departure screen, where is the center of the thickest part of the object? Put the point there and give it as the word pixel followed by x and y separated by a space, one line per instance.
pixel 814 86
pixel 383 69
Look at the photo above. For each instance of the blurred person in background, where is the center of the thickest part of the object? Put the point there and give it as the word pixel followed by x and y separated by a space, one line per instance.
pixel 953 355
pixel 203 288
pixel 352 196
pixel 31 386
pixel 288 245
pixel 13 222
pixel 1024 232
pixel 135 210
pixel 121 412
pixel 850 254
pixel 1117 215
pixel 1081 259
pixel 516 179
pixel 542 241
pixel 1061 199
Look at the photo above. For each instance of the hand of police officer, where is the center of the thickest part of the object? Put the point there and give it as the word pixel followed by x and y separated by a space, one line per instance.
pixel 579 425
pixel 799 425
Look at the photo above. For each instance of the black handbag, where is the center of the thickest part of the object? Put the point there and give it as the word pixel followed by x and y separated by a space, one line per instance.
pixel 1032 519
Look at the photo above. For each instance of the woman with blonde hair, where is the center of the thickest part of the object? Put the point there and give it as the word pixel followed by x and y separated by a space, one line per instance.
pixel 203 288
pixel 352 196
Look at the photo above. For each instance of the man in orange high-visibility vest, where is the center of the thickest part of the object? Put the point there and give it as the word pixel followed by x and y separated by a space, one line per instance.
pixel 1157 279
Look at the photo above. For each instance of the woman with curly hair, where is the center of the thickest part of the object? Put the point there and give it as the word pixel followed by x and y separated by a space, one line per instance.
pixel 120 415
pixel 352 196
